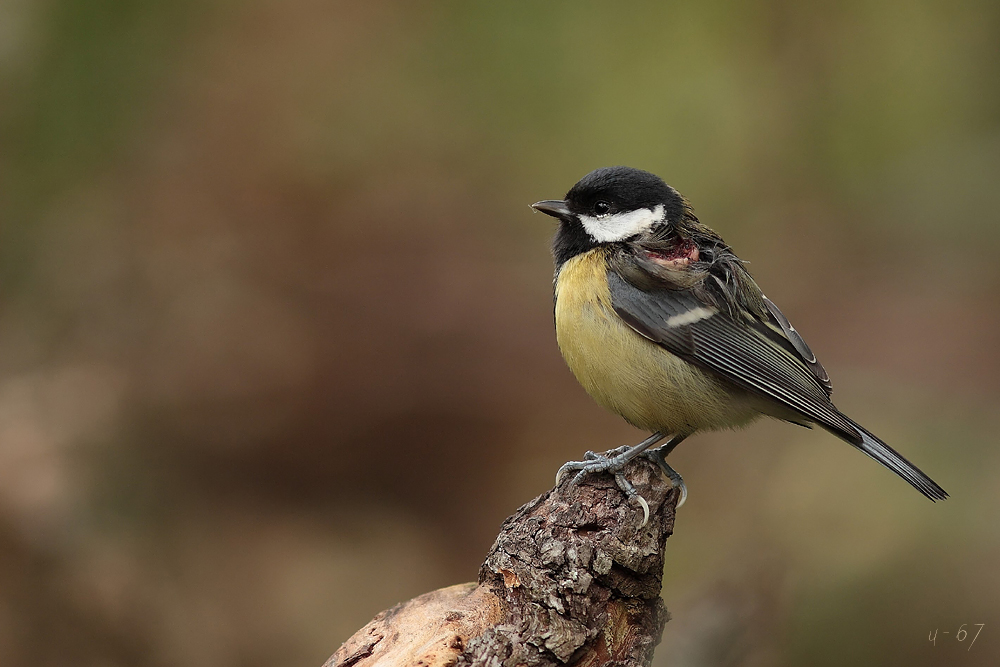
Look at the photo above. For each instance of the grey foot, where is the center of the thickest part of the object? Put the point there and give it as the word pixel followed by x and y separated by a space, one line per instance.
pixel 598 463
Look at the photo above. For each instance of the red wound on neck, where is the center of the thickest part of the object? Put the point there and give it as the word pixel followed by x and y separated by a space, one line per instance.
pixel 684 251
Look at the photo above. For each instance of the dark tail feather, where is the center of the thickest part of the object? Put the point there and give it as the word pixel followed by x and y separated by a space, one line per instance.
pixel 892 460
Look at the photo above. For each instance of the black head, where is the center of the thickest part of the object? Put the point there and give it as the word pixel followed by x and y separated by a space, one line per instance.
pixel 611 205
pixel 612 190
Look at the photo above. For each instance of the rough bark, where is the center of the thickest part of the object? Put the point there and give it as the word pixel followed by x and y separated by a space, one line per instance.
pixel 572 579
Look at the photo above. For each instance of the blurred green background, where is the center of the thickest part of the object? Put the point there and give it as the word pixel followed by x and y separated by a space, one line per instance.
pixel 276 345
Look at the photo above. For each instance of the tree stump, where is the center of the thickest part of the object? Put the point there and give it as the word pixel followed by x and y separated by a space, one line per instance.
pixel 572 579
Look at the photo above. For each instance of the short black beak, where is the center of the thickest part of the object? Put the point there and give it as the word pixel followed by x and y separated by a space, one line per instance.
pixel 555 207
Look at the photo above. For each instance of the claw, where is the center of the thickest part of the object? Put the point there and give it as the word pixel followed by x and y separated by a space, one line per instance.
pixel 632 494
pixel 563 469
pixel 645 510
pixel 676 481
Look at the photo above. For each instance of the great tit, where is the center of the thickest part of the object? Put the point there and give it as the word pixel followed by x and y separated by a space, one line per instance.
pixel 661 323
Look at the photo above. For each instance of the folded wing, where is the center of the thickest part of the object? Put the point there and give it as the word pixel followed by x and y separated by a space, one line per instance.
pixel 753 354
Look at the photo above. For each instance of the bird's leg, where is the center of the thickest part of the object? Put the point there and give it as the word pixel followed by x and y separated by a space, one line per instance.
pixel 597 463
pixel 659 457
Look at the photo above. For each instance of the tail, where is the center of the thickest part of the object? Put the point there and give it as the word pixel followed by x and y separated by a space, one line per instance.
pixel 892 460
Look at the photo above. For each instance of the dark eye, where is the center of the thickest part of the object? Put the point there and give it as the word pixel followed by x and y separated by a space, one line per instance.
pixel 602 207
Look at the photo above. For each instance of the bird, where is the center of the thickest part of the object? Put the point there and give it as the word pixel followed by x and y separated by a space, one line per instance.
pixel 662 323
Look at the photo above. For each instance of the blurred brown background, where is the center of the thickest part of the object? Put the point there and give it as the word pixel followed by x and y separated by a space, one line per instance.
pixel 276 344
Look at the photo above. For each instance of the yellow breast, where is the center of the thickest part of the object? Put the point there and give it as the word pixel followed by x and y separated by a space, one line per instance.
pixel 628 374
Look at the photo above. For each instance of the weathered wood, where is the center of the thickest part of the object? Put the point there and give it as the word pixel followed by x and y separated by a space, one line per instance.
pixel 572 579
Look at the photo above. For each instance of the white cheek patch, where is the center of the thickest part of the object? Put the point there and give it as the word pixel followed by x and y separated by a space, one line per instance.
pixel 619 226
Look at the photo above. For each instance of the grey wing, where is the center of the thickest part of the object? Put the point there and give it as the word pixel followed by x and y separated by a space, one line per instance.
pixel 740 352
pixel 750 357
